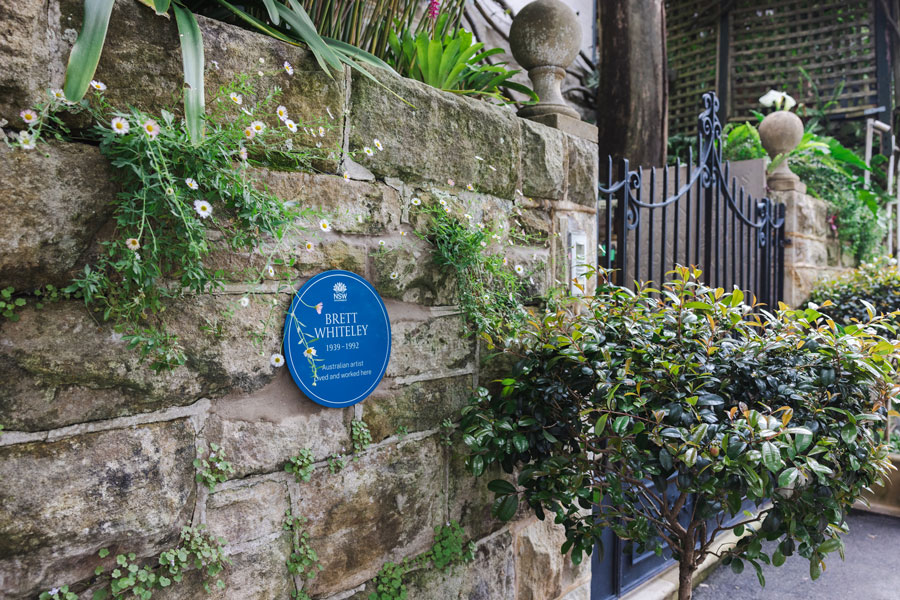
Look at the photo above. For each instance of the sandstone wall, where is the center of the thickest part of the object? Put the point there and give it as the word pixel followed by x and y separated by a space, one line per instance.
pixel 97 449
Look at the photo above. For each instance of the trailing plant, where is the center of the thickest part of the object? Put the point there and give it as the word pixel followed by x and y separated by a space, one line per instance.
pixel 616 416
pixel 448 549
pixel 448 59
pixel 360 437
pixel 132 577
pixel 855 295
pixel 301 465
pixel 336 463
pixel 9 305
pixel 447 432
pixel 176 196
pixel 303 561
pixel 490 291
pixel 214 468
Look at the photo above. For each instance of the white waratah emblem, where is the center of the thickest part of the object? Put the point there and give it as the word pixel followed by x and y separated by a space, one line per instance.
pixel 339 288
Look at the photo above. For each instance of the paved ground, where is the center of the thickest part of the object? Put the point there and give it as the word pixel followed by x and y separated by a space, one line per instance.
pixel 871 571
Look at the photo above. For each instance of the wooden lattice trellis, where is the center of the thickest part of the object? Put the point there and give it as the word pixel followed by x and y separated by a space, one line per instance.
pixel 765 44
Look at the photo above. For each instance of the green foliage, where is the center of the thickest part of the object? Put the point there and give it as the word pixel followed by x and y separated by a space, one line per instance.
pixel 214 468
pixel 490 291
pixel 447 429
pixel 851 296
pixel 450 60
pixel 301 465
pixel 689 390
pixel 360 437
pixel 9 305
pixel 742 142
pixel 303 561
pixel 402 431
pixel 449 549
pixel 176 196
pixel 132 577
pixel 336 463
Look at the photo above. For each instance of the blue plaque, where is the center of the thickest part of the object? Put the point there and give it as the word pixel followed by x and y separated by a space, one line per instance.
pixel 337 339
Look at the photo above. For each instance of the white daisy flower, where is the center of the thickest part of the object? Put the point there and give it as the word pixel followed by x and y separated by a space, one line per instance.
pixel 245 302
pixel 58 94
pixel 236 98
pixel 324 225
pixel 395 275
pixel 215 64
pixel 249 133
pixel 98 85
pixel 262 61
pixel 282 113
pixel 321 131
pixel 368 151
pixel 346 176
pixel 318 308
pixel 120 126
pixel 381 243
pixel 309 246
pixel 443 202
pixel 447 209
pixel 170 191
pixel 378 145
pixel 151 128
pixel 402 234
pixel 260 73
pixel 287 67
pixel 481 226
pixel 318 144
pixel 451 183
pixel 483 244
pixel 467 216
pixel 270 270
pixel 258 126
pixel 191 183
pixel 276 360
pixel 416 202
pixel 203 208
pixel 27 140
pixel 29 116
pixel 505 261
pixel 290 125
pixel 519 269
pixel 242 153
pixel 132 244
pixel 470 187
pixel 309 352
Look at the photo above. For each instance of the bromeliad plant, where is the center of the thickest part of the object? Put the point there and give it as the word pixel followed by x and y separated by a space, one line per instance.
pixel 659 414
pixel 450 60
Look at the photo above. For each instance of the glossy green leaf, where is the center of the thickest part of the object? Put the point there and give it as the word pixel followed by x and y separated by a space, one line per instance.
pixel 849 432
pixel 787 477
pixel 161 6
pixel 501 486
pixel 600 425
pixel 771 457
pixel 476 465
pixel 272 9
pixel 87 49
pixel 829 546
pixel 778 558
pixel 193 62
pixel 504 507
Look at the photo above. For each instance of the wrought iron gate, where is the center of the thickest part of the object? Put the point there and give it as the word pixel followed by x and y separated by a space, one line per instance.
pixel 699 217
pixel 691 214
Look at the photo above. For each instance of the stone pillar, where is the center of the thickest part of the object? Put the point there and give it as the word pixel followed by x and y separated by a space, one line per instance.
pixel 545 38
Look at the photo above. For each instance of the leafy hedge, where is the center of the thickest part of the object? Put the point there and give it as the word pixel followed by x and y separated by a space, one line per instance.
pixel 685 393
pixel 873 286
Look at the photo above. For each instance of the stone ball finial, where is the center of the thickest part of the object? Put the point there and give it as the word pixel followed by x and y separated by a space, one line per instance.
pixel 545 38
pixel 780 132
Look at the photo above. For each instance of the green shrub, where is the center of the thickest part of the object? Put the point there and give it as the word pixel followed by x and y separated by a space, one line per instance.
pixel 684 394
pixel 875 284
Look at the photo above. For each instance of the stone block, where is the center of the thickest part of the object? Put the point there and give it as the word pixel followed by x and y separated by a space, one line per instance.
pixel 65 368
pixel 261 431
pixel 247 513
pixel 582 172
pixel 542 572
pixel 543 160
pixel 356 207
pixel 806 216
pixel 128 490
pixel 469 498
pixel 53 200
pixel 418 406
pixel 430 343
pixel 491 576
pixel 443 137
pixel 807 252
pixel 383 507
pixel 141 64
pixel 405 270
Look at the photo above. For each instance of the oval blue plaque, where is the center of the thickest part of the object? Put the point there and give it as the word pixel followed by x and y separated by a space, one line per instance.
pixel 337 338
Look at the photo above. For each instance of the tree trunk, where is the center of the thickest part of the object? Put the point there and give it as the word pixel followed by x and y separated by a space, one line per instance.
pixel 632 97
pixel 685 577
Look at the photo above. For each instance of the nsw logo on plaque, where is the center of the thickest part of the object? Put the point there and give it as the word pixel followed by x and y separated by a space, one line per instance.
pixel 337 338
